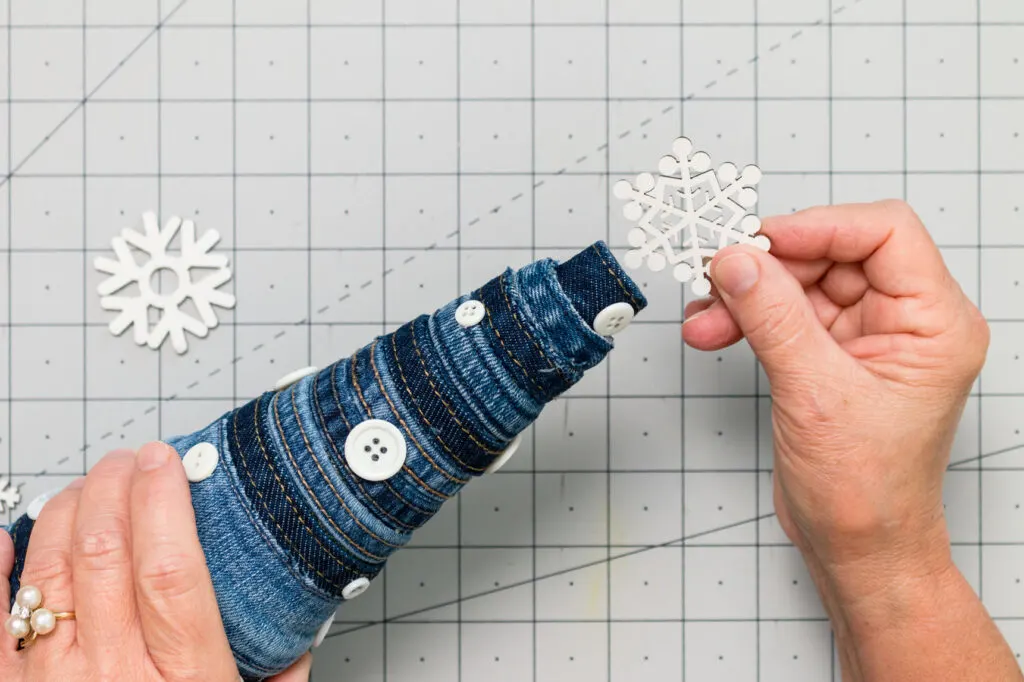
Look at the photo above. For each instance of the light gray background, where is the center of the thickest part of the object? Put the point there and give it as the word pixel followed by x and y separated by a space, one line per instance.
pixel 322 139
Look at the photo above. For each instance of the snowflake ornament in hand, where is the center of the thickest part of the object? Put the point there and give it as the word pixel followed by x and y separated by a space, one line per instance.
pixel 690 212
pixel 9 495
pixel 173 321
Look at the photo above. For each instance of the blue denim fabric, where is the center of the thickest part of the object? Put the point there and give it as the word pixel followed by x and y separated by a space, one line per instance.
pixel 284 521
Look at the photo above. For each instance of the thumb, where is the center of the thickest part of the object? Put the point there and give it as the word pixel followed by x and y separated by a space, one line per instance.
pixel 773 312
pixel 299 672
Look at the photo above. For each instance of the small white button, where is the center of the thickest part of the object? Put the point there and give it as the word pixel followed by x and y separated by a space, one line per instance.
pixel 321 635
pixel 504 457
pixel 614 319
pixel 470 313
pixel 294 378
pixel 355 588
pixel 200 462
pixel 35 508
pixel 375 450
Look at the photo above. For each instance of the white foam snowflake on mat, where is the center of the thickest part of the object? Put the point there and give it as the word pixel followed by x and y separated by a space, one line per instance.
pixel 194 254
pixel 9 495
pixel 689 212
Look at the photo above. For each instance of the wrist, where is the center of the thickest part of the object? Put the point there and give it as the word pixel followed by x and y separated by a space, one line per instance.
pixel 899 571
pixel 888 593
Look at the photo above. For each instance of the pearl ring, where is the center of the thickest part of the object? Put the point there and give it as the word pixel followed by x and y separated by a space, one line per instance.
pixel 29 619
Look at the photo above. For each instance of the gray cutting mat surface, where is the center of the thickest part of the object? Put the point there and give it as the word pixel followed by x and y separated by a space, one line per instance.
pixel 367 161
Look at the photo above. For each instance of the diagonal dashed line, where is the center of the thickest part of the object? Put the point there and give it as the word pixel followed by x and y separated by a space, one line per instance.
pixel 604 147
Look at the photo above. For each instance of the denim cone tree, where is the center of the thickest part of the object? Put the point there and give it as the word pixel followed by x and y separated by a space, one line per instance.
pixel 302 494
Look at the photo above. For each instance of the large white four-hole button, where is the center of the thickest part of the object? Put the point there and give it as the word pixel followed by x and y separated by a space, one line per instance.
pixel 375 450
pixel 614 319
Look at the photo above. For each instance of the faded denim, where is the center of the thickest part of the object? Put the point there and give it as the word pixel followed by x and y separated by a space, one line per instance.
pixel 284 521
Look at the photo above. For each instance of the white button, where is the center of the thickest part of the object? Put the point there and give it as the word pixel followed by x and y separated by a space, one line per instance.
pixel 375 450
pixel 613 319
pixel 355 588
pixel 294 378
pixel 321 635
pixel 470 313
pixel 35 508
pixel 504 457
pixel 200 462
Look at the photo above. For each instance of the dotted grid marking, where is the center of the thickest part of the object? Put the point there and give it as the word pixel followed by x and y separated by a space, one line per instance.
pixel 451 235
pixel 679 542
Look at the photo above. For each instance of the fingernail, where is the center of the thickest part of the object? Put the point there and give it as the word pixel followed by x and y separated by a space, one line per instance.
pixel 695 316
pixel 153 457
pixel 736 274
pixel 77 483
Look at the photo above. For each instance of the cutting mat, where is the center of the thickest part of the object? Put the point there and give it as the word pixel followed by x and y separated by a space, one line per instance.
pixel 368 160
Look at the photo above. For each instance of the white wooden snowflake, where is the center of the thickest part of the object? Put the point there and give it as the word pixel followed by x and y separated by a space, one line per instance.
pixel 688 213
pixel 195 255
pixel 9 495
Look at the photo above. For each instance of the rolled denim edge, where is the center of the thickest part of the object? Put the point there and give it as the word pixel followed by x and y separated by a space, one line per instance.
pixel 567 338
pixel 593 279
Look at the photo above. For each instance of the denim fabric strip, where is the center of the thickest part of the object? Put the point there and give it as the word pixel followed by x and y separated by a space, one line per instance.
pixel 328 511
pixel 273 488
pixel 591 294
pixel 270 603
pixel 512 341
pixel 334 491
pixel 471 364
pixel 435 402
pixel 332 385
pixel 408 484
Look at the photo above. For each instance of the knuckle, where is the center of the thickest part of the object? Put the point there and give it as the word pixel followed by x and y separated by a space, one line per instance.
pixel 102 547
pixel 46 566
pixel 169 579
pixel 778 326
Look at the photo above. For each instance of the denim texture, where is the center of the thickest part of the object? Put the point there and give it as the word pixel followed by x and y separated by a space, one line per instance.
pixel 284 521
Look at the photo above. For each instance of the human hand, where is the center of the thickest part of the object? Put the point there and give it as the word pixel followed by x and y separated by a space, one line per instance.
pixel 871 349
pixel 119 548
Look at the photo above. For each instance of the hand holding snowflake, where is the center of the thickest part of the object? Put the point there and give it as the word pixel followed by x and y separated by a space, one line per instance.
pixel 689 213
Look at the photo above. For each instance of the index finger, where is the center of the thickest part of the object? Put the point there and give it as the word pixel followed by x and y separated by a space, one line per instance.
pixel 899 256
pixel 177 606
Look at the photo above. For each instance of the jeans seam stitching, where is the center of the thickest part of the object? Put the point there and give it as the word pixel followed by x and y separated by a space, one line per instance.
pixel 337 453
pixel 270 513
pixel 415 403
pixel 316 501
pixel 616 276
pixel 337 495
pixel 394 410
pixel 405 467
pixel 433 387
pixel 277 551
pixel 497 333
pixel 515 316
